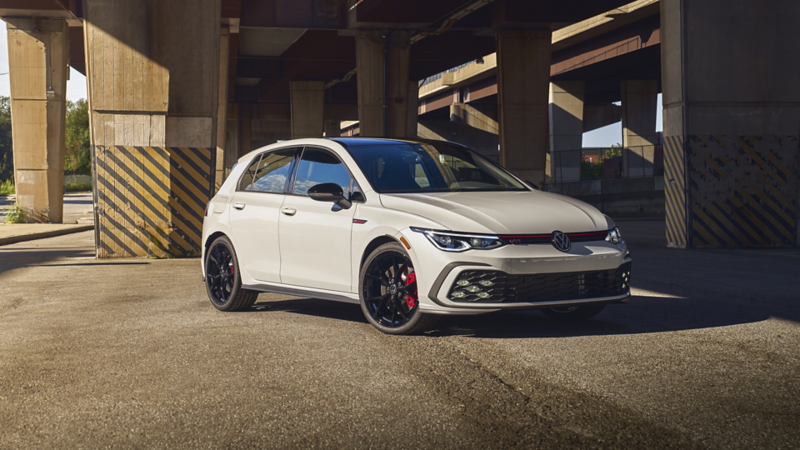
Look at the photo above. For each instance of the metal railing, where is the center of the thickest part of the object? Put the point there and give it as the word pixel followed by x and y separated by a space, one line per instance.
pixel 570 166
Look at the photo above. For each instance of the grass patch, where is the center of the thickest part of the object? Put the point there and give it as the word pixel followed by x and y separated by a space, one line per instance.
pixel 14 214
pixel 79 187
pixel 7 187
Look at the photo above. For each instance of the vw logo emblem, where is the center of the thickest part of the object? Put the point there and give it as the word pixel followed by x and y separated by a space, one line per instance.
pixel 561 241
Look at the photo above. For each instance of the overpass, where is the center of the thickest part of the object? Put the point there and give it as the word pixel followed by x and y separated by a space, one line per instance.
pixel 178 90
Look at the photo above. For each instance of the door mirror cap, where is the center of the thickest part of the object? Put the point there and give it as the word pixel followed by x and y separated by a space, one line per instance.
pixel 329 192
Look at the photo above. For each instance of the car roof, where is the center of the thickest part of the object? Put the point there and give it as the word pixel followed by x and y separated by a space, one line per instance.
pixel 358 141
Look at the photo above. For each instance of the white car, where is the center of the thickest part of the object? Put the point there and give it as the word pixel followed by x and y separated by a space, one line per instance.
pixel 410 230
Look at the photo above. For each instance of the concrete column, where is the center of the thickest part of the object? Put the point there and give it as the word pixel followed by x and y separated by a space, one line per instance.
pixel 413 109
pixel 37 60
pixel 307 108
pixel 222 170
pixel 731 122
pixel 639 104
pixel 370 48
pixel 153 79
pixel 523 79
pixel 566 130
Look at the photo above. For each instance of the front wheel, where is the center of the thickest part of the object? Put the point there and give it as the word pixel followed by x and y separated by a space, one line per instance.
pixel 574 313
pixel 223 283
pixel 388 291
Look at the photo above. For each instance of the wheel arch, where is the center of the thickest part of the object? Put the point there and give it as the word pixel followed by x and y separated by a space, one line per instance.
pixel 375 243
pixel 211 238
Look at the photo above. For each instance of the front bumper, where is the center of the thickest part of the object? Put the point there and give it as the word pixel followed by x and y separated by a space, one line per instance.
pixel 522 276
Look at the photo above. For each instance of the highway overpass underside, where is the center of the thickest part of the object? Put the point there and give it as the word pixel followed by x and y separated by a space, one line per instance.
pixel 179 90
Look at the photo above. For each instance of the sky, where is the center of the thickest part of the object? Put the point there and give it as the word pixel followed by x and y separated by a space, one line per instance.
pixel 76 89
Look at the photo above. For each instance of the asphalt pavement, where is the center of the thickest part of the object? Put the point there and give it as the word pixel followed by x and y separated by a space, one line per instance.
pixel 130 353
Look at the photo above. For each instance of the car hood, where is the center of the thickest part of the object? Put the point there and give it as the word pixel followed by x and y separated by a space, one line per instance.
pixel 530 212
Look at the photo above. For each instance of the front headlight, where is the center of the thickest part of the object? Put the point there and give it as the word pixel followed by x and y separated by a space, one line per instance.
pixel 459 242
pixel 614 236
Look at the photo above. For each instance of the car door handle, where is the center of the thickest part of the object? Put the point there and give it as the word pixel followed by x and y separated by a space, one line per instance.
pixel 239 205
pixel 289 211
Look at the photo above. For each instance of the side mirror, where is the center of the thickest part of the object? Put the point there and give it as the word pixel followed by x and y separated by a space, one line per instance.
pixel 329 192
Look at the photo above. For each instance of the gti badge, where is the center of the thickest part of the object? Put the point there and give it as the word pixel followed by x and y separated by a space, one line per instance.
pixel 561 241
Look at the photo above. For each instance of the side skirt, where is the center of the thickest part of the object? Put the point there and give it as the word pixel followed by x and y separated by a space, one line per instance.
pixel 304 292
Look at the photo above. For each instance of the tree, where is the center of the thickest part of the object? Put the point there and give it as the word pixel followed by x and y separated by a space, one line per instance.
pixel 78 149
pixel 6 156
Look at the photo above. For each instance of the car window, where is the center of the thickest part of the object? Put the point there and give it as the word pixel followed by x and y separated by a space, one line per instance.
pixel 431 167
pixel 246 183
pixel 273 170
pixel 319 166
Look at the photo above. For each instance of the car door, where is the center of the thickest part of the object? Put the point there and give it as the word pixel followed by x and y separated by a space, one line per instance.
pixel 315 236
pixel 254 213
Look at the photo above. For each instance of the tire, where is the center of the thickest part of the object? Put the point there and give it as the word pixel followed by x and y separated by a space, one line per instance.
pixel 388 293
pixel 225 288
pixel 574 313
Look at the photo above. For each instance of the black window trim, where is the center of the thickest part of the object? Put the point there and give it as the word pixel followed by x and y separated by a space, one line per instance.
pixel 292 167
pixel 296 164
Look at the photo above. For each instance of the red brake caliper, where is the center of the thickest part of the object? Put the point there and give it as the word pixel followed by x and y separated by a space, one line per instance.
pixel 410 279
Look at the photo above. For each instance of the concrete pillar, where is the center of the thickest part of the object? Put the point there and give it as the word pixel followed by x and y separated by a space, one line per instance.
pixel 523 79
pixel 639 104
pixel 413 109
pixel 307 108
pixel 731 122
pixel 153 71
pixel 370 46
pixel 222 170
pixel 37 60
pixel 566 130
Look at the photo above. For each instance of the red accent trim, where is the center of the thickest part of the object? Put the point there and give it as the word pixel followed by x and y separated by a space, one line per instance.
pixel 359 221
pixel 593 233
pixel 524 236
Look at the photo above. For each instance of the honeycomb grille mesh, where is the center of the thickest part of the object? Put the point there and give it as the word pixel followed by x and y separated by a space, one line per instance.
pixel 493 286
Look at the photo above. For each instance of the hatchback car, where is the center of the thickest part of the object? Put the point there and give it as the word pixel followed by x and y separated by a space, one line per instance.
pixel 408 229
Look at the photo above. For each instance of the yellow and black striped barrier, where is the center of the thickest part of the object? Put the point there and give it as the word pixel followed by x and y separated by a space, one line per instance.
pixel 732 191
pixel 151 200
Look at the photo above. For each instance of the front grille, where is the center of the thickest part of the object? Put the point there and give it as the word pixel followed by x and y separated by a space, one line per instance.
pixel 494 286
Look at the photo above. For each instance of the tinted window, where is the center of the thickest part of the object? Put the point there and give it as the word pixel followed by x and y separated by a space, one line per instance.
pixel 245 184
pixel 409 167
pixel 319 166
pixel 273 170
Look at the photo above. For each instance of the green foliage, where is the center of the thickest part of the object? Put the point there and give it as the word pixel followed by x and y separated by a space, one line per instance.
pixel 78 150
pixel 7 187
pixel 14 214
pixel 591 170
pixel 79 187
pixel 615 150
pixel 6 156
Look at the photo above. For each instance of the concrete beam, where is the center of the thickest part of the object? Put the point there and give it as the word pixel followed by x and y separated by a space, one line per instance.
pixel 371 48
pixel 153 80
pixel 731 125
pixel 523 77
pixel 639 100
pixel 37 60
pixel 566 130
pixel 307 108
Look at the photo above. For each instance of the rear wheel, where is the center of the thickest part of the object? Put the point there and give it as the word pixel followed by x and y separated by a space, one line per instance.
pixel 223 283
pixel 574 313
pixel 388 291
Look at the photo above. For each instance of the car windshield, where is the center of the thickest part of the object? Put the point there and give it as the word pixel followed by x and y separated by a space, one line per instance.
pixel 401 167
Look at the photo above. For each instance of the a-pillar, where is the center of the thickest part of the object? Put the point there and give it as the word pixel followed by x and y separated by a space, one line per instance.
pixel 307 108
pixel 374 51
pixel 37 60
pixel 153 84
pixel 731 122
pixel 523 79
pixel 639 107
pixel 566 130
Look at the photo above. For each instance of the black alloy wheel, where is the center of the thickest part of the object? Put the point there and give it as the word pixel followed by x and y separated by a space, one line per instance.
pixel 223 283
pixel 389 296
